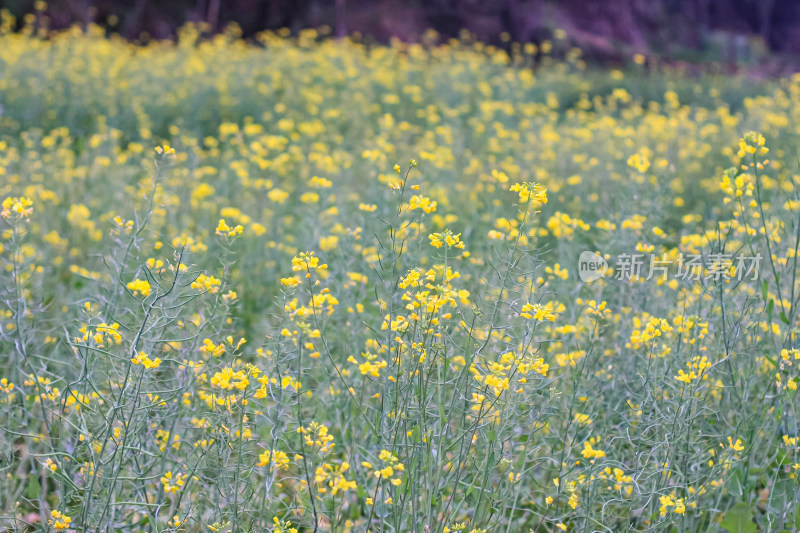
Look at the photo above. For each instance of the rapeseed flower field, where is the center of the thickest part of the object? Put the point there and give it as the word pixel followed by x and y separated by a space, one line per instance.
pixel 301 284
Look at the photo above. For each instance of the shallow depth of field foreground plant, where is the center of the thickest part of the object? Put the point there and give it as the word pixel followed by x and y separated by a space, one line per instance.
pixel 233 303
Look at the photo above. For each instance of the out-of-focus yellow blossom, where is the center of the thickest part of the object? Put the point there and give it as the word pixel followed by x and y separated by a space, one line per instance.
pixel 276 459
pixel 225 230
pixel 17 207
pixel 143 359
pixel 139 286
pixel 59 520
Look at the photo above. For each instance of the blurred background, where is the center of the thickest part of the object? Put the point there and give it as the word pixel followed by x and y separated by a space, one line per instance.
pixel 758 34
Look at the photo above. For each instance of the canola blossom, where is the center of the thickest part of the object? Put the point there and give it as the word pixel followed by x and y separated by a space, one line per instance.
pixel 298 284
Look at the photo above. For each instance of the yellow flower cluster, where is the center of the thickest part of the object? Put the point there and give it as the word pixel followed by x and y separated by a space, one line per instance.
pixel 316 436
pixel 530 193
pixel 17 207
pixel 446 237
pixel 224 230
pixel 390 470
pixel 143 359
pixel 329 477
pixel 697 370
pixel 229 379
pixel 59 520
pixel 422 202
pixel 589 452
pixel 276 459
pixel 206 283
pixel 173 482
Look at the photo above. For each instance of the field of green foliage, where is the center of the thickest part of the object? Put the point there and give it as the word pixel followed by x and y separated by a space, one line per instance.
pixel 299 284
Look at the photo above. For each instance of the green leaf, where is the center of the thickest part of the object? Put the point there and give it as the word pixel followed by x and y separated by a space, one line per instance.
pixel 781 458
pixel 764 289
pixel 415 434
pixel 736 483
pixel 770 308
pixel 739 519
pixel 784 318
pixel 34 489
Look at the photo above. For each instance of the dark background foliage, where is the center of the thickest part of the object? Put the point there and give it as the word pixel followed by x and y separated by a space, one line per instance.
pixel 734 31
